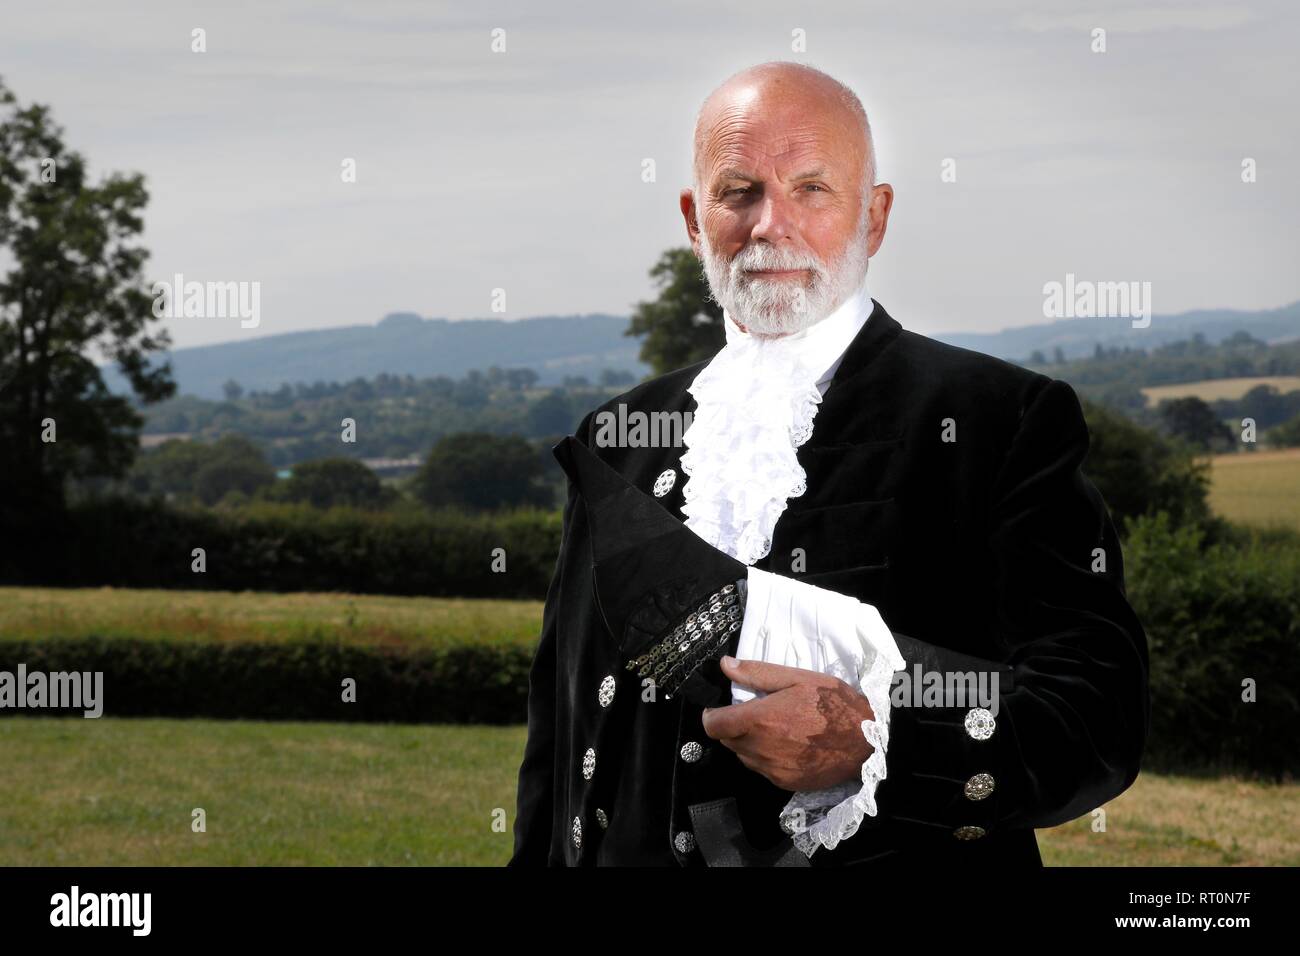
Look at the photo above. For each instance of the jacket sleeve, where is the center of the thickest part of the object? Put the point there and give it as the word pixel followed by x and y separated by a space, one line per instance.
pixel 536 790
pixel 1072 704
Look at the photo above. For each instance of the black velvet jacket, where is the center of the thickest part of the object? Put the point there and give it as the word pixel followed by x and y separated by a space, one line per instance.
pixel 944 488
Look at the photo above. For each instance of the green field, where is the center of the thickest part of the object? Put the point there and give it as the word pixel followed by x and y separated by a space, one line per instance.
pixel 38 613
pixel 1259 488
pixel 1213 389
pixel 121 792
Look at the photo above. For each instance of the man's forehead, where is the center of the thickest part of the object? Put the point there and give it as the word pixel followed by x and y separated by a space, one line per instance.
pixel 808 150
pixel 751 124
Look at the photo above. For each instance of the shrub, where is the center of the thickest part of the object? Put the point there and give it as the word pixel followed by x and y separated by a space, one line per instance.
pixel 1217 616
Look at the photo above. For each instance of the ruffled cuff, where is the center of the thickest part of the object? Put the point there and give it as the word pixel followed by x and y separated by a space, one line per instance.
pixel 790 622
pixel 817 818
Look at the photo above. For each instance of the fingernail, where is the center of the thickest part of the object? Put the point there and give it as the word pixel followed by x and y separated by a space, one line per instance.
pixel 728 659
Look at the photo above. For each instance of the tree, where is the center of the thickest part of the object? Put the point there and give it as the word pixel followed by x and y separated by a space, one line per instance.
pixel 328 482
pixel 74 289
pixel 684 325
pixel 1286 435
pixel 233 390
pixel 234 465
pixel 552 415
pixel 1194 422
pixel 1138 472
pixel 169 469
pixel 480 472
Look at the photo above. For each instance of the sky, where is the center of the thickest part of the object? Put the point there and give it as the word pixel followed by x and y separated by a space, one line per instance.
pixel 522 170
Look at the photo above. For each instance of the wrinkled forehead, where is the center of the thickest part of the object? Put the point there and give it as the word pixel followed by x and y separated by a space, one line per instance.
pixel 750 132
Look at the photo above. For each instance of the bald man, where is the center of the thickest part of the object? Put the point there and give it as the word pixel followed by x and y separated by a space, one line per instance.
pixel 868 610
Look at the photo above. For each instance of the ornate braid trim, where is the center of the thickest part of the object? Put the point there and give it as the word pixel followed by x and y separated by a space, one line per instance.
pixel 694 639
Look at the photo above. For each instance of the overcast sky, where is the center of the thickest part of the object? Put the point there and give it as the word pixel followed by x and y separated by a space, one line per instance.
pixel 522 170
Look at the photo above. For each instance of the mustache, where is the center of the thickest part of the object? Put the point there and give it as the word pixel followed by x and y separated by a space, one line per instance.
pixel 768 258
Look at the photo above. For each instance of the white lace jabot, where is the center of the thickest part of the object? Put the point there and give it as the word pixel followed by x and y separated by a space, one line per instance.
pixel 755 404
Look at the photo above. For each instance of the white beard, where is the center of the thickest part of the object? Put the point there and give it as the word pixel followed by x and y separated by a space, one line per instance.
pixel 775 307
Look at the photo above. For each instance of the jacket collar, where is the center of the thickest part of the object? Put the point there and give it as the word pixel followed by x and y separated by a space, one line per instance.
pixel 872 339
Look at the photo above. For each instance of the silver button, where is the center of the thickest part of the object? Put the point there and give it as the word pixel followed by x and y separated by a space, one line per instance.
pixel 606 694
pixel 692 751
pixel 979 786
pixel 602 819
pixel 576 831
pixel 980 723
pixel 664 483
pixel 968 833
pixel 589 763
pixel 684 841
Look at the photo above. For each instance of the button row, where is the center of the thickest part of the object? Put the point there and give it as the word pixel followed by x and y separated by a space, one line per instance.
pixel 980 725
pixel 604 697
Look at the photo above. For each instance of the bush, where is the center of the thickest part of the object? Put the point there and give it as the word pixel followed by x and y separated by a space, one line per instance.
pixel 1216 616
pixel 1138 472
pixel 300 680
pixel 279 547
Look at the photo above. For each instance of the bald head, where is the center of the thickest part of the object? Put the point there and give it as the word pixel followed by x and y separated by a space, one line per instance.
pixel 785 213
pixel 780 83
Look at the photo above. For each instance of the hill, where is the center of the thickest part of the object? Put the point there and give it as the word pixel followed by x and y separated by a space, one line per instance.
pixel 406 344
pixel 1078 338
pixel 403 343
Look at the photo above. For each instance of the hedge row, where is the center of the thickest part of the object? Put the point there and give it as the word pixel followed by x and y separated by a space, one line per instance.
pixel 121 543
pixel 1223 621
pixel 289 681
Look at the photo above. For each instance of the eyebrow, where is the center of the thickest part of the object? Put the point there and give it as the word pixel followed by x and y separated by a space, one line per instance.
pixel 735 172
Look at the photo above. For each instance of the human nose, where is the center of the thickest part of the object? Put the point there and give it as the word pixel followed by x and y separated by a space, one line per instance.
pixel 775 219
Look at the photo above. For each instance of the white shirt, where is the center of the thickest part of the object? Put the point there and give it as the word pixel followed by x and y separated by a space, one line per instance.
pixel 824 343
pixel 755 404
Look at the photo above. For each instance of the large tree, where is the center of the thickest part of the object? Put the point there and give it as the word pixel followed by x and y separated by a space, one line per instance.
pixel 73 292
pixel 475 471
pixel 684 324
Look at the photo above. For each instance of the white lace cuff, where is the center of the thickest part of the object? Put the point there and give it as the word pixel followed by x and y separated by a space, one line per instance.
pixel 800 625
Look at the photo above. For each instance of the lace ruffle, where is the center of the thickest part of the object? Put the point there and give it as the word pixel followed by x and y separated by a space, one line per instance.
pixel 755 407
pixel 818 818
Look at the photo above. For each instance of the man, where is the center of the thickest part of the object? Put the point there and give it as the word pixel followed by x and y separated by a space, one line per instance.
pixel 855 505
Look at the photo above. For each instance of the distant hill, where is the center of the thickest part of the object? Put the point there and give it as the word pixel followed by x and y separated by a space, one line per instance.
pixel 1077 338
pixel 557 346
pixel 406 344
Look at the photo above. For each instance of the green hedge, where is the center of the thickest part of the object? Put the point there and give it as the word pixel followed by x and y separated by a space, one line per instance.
pixel 122 543
pixel 1216 616
pixel 290 681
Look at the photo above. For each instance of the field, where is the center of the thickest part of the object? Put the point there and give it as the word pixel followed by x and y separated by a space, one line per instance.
pixel 1259 488
pixel 1213 389
pixel 37 613
pixel 121 792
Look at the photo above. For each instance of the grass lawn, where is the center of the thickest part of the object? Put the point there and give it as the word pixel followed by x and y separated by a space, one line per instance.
pixel 121 792
pixel 40 613
pixel 1258 488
